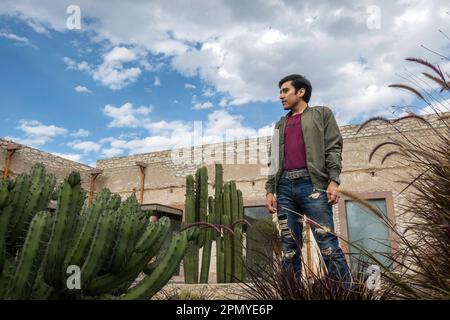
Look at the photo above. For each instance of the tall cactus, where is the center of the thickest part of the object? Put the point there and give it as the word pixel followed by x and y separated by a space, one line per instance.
pixel 225 208
pixel 63 227
pixel 190 267
pixel 220 257
pixel 206 253
pixel 112 242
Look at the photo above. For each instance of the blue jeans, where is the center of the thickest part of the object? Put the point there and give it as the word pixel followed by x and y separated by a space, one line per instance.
pixel 298 195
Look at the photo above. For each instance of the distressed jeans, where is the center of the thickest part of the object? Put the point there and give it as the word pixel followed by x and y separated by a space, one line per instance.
pixel 298 195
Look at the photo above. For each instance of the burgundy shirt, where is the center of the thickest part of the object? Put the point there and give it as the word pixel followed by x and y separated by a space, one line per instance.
pixel 294 144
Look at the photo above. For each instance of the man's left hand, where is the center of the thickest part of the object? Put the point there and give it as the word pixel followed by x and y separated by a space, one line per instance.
pixel 332 192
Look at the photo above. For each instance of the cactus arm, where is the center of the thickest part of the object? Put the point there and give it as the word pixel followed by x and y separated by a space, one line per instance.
pixel 164 270
pixel 62 229
pixel 190 217
pixel 78 253
pixel 206 254
pixel 100 248
pixel 30 257
pixel 227 242
pixel 154 232
pixel 37 198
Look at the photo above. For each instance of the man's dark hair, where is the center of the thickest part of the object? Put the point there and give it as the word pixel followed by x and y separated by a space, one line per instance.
pixel 298 82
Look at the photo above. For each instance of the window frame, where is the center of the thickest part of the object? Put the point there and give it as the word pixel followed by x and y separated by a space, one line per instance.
pixel 343 226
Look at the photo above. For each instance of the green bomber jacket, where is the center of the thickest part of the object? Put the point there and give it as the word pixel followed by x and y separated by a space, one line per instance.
pixel 323 143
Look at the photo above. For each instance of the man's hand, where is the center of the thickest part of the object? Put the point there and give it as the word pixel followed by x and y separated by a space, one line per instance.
pixel 270 203
pixel 332 193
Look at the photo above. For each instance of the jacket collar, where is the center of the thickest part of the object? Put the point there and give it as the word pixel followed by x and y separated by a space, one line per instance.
pixel 290 112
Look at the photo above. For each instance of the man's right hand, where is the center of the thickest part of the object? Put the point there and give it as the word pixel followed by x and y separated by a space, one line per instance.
pixel 270 203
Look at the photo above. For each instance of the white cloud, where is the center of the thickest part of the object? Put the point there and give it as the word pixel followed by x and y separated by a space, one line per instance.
pixel 157 82
pixel 411 18
pixel 111 72
pixel 69 156
pixel 14 37
pixel 39 28
pixel 189 86
pixel 82 89
pixel 205 105
pixel 121 54
pixel 242 55
pixel 127 115
pixel 208 92
pixel 165 135
pixel 223 102
pixel 81 133
pixel 37 134
pixel 80 66
pixel 113 75
pixel 85 146
pixel 17 39
pixel 111 152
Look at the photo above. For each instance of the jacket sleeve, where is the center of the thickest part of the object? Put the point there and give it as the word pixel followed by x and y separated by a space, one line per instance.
pixel 333 144
pixel 273 161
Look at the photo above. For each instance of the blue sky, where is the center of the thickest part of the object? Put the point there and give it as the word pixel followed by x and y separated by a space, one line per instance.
pixel 137 81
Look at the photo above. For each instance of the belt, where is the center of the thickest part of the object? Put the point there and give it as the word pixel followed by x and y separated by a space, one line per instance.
pixel 295 174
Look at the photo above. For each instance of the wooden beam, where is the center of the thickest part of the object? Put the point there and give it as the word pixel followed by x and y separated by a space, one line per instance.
pixel 94 174
pixel 142 167
pixel 10 150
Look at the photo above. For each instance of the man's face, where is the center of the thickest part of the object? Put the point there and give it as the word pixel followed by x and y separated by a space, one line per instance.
pixel 289 98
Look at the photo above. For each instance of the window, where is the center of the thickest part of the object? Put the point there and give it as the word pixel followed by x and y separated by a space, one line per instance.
pixel 363 228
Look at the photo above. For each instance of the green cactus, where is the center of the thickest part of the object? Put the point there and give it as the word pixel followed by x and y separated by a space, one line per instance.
pixel 138 261
pixel 38 196
pixel 189 217
pixel 111 241
pixel 4 194
pixel 240 264
pixel 202 183
pixel 100 249
pixel 228 238
pixel 162 272
pixel 65 218
pixel 206 254
pixel 78 252
pixel 31 257
pixel 220 262
pixel 227 209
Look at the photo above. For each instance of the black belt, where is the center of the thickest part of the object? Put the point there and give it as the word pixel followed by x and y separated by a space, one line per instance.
pixel 295 174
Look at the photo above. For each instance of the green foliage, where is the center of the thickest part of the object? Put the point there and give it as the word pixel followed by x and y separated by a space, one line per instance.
pixel 225 209
pixel 111 242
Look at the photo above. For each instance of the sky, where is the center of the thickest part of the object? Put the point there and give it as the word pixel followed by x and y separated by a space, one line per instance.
pixel 89 80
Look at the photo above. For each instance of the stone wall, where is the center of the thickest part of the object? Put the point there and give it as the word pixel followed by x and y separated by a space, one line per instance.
pixel 245 161
pixel 24 158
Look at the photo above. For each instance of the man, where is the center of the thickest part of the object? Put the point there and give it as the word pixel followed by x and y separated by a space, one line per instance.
pixel 304 169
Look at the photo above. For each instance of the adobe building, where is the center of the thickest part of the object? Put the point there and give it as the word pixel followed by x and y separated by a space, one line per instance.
pixel 158 178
